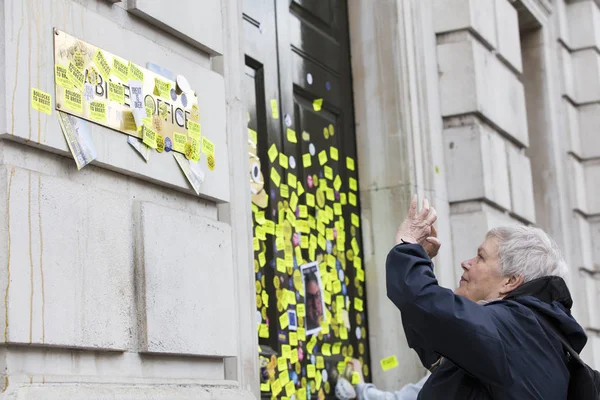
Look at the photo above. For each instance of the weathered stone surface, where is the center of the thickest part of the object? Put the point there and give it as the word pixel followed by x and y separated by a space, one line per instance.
pixel 509 44
pixel 583 19
pixel 476 15
pixel 521 184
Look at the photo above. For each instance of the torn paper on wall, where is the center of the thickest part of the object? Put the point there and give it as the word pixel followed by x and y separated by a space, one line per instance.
pixel 77 134
pixel 140 147
pixel 191 170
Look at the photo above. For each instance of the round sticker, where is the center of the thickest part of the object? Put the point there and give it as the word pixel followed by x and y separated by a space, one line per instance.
pixel 292 162
pixel 256 266
pixel 311 149
pixel 358 319
pixel 326 133
pixel 184 100
pixel 276 282
pixel 264 313
pixel 309 181
pixel 363 332
pixel 298 368
pixel 210 161
pixel 258 317
pixel 325 375
pixel 360 291
pixel 358 333
pixel 365 370
pixel 309 78
pixel 350 255
pixel 168 145
pixel 149 103
pixel 350 351
pixel 288 120
pixel 255 172
pixel 327 387
pixel 180 117
pixel 188 151
pixel 320 197
pixel 258 301
pixel 331 130
pixel 341 274
pixel 361 348
pixel 173 94
pixel 160 143
pixel 315 179
pixel 328 86
pixel 258 287
pixel 287 230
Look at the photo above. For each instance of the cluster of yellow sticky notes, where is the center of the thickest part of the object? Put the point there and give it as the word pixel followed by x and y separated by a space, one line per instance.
pixel 389 363
pixel 41 101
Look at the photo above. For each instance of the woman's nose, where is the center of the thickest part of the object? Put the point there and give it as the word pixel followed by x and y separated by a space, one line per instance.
pixel 466 264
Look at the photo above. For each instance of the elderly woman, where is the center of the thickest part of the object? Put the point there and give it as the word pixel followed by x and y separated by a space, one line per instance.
pixel 491 338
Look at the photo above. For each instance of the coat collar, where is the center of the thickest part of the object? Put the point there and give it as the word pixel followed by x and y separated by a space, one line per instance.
pixel 547 289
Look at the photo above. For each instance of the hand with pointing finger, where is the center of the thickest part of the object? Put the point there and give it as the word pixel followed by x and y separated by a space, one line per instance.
pixel 417 227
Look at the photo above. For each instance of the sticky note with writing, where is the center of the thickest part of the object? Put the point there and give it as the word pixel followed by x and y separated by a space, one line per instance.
pixel 389 363
pixel 284 320
pixel 194 130
pixel 75 75
pixel 179 141
pixel 350 163
pixel 208 147
pixel 149 137
pixel 282 364
pixel 263 331
pixel 333 153
pixel 120 69
pixel 98 111
pixel 283 160
pixel 162 88
pixel 102 64
pixel 310 371
pixel 41 101
pixel 273 152
pixel 73 100
pixel 135 73
pixel 326 349
pixel 60 76
pixel 116 92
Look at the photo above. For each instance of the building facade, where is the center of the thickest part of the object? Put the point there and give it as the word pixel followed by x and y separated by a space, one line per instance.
pixel 121 281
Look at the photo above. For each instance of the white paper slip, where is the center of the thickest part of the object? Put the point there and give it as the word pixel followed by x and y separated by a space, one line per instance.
pixel 77 134
pixel 140 147
pixel 191 170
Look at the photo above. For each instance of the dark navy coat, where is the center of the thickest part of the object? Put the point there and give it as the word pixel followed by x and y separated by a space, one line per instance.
pixel 495 351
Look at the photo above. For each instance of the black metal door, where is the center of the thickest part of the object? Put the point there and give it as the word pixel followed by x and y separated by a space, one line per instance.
pixel 305 195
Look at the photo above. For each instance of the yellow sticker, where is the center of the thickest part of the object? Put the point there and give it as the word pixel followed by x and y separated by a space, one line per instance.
pixel 358 304
pixel 290 389
pixel 98 111
pixel 76 77
pixel 292 181
pixel 343 333
pixel 306 160
pixel 310 199
pixel 337 183
pixel 291 136
pixel 353 184
pixel 300 310
pixel 336 348
pixel 102 64
pixel 300 189
pixel 355 378
pixel 322 157
pixel 305 136
pixel 331 130
pixel 194 130
pixel 262 259
pixel 286 351
pixel 389 363
pixel 284 191
pixel 135 73
pixel 352 198
pixel 326 349
pixel 310 371
pixel 294 201
pixel 252 136
pixel 41 101
pixel 263 331
pixel 283 160
pixel 269 227
pixel 284 320
pixel 280 265
pixel 317 104
pixel 188 150
pixel 265 387
pixel 162 88
pixel 179 141
pixel 355 220
pixel 60 76
pixel 73 100
pixel 210 161
pixel 78 59
pixel 320 362
pixel 301 333
pixel 282 364
pixel 208 147
pixel 273 152
pixel 333 153
pixel 337 287
pixel 275 388
pixel 301 393
pixel 294 338
pixel 149 137
pixel 274 109
pixel 350 163
pixel 328 171
pixel 265 298
pixel 120 69
pixel 116 92
pixel 160 143
pixel 360 274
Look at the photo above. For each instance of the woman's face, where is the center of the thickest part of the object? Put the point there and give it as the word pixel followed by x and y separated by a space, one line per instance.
pixel 314 304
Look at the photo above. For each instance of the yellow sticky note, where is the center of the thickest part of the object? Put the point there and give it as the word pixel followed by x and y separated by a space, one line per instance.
pixel 291 180
pixel 179 141
pixel 355 220
pixel 135 73
pixel 60 76
pixel 337 183
pixel 355 248
pixel 194 129
pixel 326 349
pixel 322 157
pixel 337 287
pixel 290 389
pixel 162 88
pixel 301 393
pixel 350 163
pixel 269 227
pixel 208 147
pixel 389 363
pixel 149 137
pixel 301 333
pixel 320 362
pixel 294 356
pixel 306 160
pixel 262 259
pixel 358 304
pixel 283 160
pixel 265 298
pixel 75 75
pixel 280 265
pixel 336 348
pixel 275 388
pixel 352 198
pixel 300 189
pixel 310 371
pixel 120 69
pixel 310 199
pixel 274 109
pixel 353 184
pixel 360 274
pixel 73 100
pixel 294 201
pixel 328 172
pixel 116 92
pixel 265 387
pixel 355 378
pixel 293 338
pixel 41 101
pixel 102 64
pixel 286 351
pixel 98 111
pixel 318 381
pixel 275 177
pixel 291 136
pixel 337 209
pixel 282 364
pixel 252 136
pixel 263 331
pixel 284 191
pixel 300 310
pixel 317 104
pixel 303 211
pixel 273 152
pixel 333 153
pixel 343 333
pixel 255 244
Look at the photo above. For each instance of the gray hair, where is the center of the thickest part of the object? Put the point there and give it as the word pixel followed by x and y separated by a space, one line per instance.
pixel 528 252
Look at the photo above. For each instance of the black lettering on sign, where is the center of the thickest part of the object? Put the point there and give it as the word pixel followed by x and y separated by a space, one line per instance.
pixel 100 87
pixel 41 98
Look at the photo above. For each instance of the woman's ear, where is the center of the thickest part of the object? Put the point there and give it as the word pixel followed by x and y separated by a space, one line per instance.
pixel 513 282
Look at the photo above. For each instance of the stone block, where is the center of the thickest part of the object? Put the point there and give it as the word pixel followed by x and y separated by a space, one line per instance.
pixel 473 80
pixel 595 240
pixel 470 222
pixel 521 183
pixel 584 24
pixel 592 178
pixel 197 23
pixel 475 15
pixel 586 75
pixel 509 41
pixel 573 118
pixel 69 263
pixel 568 81
pixel 589 130
pixel 578 188
pixel 476 166
pixel 187 295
